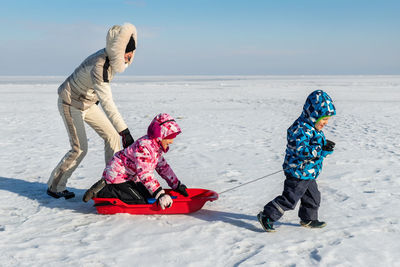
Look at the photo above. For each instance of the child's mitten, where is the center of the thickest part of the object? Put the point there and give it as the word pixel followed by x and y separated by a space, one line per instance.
pixel 329 146
pixel 181 189
pixel 164 200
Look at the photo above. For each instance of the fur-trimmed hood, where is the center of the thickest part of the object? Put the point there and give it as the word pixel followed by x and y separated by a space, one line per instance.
pixel 117 39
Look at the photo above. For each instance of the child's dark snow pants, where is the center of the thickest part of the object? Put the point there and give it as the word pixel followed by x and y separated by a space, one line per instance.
pixel 129 192
pixel 293 191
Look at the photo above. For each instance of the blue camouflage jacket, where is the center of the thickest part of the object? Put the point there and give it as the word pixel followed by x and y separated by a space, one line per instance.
pixel 304 154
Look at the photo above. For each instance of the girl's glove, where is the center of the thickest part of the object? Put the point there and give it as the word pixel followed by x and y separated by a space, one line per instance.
pixel 181 189
pixel 164 200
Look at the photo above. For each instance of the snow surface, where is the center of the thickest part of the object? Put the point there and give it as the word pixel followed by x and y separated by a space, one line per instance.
pixel 234 131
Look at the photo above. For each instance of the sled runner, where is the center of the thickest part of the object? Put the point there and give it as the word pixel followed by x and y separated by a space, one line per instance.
pixel 181 205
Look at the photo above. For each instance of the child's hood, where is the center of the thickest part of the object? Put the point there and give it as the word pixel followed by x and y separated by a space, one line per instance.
pixel 162 126
pixel 318 104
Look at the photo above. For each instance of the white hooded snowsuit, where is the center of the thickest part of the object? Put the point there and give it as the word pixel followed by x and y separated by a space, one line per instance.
pixel 79 95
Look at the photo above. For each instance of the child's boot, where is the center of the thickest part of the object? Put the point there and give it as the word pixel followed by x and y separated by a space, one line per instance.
pixel 92 191
pixel 266 223
pixel 313 224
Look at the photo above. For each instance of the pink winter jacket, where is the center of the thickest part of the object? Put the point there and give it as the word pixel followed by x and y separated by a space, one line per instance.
pixel 138 161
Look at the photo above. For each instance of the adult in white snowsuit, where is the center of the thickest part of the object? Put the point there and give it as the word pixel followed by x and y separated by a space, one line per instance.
pixel 79 99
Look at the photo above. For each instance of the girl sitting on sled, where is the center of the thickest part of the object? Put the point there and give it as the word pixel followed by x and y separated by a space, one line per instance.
pixel 129 175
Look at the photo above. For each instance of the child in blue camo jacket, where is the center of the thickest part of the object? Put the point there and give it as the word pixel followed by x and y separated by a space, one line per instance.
pixel 306 149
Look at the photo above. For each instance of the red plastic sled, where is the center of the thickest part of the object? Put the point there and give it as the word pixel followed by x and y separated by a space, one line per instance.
pixel 181 205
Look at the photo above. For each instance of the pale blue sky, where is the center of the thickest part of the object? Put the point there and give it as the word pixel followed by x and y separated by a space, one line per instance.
pixel 206 37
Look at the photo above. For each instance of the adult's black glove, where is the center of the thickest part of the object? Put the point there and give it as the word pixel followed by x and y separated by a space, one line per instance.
pixel 127 138
pixel 329 145
pixel 181 189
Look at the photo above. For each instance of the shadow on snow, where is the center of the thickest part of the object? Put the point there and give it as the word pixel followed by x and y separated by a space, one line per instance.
pixel 37 191
pixel 235 219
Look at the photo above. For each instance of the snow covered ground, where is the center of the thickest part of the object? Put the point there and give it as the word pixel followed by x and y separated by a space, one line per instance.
pixel 234 130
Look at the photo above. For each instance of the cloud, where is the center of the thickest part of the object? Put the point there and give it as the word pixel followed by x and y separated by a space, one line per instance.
pixel 139 4
pixel 148 32
pixel 252 51
pixel 50 48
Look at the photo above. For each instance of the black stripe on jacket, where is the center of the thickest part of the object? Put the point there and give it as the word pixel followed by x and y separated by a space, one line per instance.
pixel 105 70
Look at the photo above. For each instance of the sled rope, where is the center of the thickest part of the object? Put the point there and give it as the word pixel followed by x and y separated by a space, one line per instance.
pixel 263 177
pixel 252 181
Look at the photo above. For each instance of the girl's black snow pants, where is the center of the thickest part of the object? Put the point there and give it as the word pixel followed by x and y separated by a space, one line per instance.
pixel 129 192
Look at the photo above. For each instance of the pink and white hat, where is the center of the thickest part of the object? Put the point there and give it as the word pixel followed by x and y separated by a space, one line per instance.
pixel 163 126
